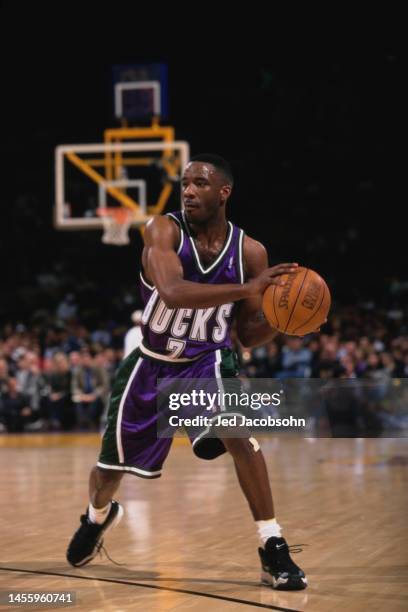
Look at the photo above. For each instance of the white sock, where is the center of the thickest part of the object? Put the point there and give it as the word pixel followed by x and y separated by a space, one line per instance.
pixel 98 515
pixel 268 529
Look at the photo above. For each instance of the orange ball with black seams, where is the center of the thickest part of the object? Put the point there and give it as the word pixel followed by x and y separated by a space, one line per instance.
pixel 299 306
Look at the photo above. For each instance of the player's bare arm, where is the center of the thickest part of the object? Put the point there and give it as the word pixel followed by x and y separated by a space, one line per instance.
pixel 163 268
pixel 252 327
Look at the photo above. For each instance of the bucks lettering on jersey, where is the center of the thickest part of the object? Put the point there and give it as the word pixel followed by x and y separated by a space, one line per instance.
pixel 184 333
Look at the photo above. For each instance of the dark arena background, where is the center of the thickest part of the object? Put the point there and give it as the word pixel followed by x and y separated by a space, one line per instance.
pixel 312 135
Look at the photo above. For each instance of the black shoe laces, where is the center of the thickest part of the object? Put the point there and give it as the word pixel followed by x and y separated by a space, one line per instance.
pixel 283 557
pixel 103 549
pixel 293 548
pixel 296 548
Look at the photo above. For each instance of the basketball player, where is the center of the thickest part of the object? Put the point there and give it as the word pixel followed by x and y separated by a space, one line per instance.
pixel 199 273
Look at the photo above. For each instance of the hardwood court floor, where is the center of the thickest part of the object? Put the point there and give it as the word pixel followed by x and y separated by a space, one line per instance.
pixel 187 540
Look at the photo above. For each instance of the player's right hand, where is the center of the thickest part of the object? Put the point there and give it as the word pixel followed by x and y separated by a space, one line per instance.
pixel 271 276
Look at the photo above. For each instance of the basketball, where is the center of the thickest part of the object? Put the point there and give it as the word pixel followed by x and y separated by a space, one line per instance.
pixel 300 306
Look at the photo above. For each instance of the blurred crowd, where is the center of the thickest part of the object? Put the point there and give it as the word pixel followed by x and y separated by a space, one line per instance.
pixel 356 343
pixel 57 374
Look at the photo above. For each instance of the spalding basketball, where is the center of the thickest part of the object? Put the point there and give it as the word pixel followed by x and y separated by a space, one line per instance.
pixel 300 306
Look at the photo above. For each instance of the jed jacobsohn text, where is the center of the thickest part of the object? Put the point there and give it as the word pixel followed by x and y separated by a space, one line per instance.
pixel 210 401
pixel 235 420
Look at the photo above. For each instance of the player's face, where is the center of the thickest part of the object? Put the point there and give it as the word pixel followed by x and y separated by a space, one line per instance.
pixel 203 192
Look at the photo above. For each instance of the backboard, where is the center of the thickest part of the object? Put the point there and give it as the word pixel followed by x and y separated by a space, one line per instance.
pixel 141 176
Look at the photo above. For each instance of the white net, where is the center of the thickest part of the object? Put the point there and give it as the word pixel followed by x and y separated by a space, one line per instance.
pixel 116 224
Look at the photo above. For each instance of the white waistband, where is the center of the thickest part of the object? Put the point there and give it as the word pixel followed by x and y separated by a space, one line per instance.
pixel 160 357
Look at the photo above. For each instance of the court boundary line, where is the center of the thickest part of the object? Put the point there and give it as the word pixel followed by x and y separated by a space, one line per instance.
pixel 154 586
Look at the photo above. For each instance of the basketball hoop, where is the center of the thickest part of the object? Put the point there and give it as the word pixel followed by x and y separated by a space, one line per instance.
pixel 116 223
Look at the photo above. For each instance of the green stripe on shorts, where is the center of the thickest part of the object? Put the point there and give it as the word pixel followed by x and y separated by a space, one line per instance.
pixel 229 366
pixel 109 451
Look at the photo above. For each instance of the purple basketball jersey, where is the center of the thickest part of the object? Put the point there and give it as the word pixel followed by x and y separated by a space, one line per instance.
pixel 183 334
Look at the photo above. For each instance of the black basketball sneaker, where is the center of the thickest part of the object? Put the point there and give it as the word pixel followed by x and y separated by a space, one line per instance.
pixel 88 539
pixel 278 569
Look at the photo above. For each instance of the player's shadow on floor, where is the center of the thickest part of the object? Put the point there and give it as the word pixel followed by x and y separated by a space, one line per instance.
pixel 133 575
pixel 112 573
pixel 109 572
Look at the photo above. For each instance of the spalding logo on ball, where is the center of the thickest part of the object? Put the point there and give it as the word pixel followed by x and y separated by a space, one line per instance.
pixel 300 306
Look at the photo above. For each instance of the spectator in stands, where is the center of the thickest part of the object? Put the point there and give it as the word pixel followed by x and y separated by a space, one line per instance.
pixel 74 360
pixel 348 363
pixel 15 410
pixel 89 391
pixel 327 359
pixel 388 364
pixel 405 366
pixel 4 375
pixel 30 382
pixel 296 359
pixel 67 309
pixel 360 362
pixel 51 343
pixel 342 405
pixel 314 347
pixel 102 335
pixel 106 360
pixel 273 360
pixel 379 377
pixel 62 413
pixel 134 336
